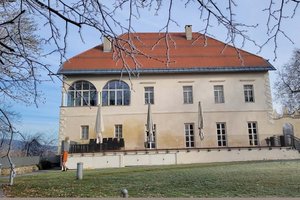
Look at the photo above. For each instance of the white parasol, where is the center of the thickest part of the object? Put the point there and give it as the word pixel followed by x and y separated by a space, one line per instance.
pixel 200 121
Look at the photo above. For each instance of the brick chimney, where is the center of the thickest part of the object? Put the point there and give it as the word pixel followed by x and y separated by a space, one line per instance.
pixel 107 44
pixel 188 32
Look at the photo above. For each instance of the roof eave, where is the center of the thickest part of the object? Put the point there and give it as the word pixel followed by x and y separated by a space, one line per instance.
pixel 168 70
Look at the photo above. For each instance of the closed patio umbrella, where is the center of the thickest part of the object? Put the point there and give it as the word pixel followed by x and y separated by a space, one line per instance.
pixel 99 126
pixel 149 124
pixel 200 121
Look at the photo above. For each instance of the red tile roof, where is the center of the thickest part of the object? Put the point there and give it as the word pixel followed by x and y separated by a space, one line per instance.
pixel 183 54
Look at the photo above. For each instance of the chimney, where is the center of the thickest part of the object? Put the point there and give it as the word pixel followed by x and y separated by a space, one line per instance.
pixel 188 32
pixel 107 44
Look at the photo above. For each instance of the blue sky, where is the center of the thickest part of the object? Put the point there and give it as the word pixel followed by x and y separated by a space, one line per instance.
pixel 45 117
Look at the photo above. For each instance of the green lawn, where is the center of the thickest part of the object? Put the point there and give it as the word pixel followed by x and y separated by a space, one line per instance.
pixel 246 179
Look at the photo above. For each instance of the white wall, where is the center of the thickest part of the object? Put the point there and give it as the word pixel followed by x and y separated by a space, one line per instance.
pixel 172 157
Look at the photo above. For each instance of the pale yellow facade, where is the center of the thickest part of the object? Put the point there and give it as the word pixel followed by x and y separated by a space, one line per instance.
pixel 170 114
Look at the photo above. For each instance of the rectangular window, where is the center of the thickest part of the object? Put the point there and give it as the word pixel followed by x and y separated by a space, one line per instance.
pixel 219 93
pixel 149 95
pixel 118 131
pixel 252 131
pixel 248 93
pixel 221 134
pixel 187 94
pixel 189 135
pixel 84 132
pixel 150 144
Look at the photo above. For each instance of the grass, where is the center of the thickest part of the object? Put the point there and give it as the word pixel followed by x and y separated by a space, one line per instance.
pixel 246 179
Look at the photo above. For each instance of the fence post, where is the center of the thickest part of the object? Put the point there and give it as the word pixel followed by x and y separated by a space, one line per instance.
pixel 79 170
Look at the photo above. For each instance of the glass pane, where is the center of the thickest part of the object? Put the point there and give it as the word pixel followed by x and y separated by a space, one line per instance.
pixel 85 85
pixel 192 144
pixel 93 98
pixel 92 87
pixel 119 98
pixel 70 98
pixel 112 100
pixel 112 85
pixel 146 98
pixel 185 98
pixel 152 98
pixel 246 96
pixel 85 98
pixel 104 98
pixel 78 99
pixel 216 97
pixel 126 97
pixel 78 85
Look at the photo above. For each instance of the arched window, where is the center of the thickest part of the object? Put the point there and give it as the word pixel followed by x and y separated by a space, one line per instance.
pixel 82 93
pixel 115 93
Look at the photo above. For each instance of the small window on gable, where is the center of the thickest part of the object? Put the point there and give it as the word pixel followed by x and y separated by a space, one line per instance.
pixel 249 93
pixel 187 94
pixel 82 93
pixel 116 93
pixel 219 93
pixel 149 95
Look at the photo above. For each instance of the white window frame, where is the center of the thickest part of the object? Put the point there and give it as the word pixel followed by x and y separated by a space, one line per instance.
pixel 253 133
pixel 187 94
pixel 219 94
pixel 149 95
pixel 84 134
pixel 117 92
pixel 221 134
pixel 189 133
pixel 118 131
pixel 249 93
pixel 82 96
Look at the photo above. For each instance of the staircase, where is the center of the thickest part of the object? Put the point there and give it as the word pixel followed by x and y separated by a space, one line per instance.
pixel 296 142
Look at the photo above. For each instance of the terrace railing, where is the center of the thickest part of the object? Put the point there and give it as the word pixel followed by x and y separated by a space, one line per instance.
pixel 295 142
pixel 107 144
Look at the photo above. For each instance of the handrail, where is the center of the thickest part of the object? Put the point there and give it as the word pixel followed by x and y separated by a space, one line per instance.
pixel 295 142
